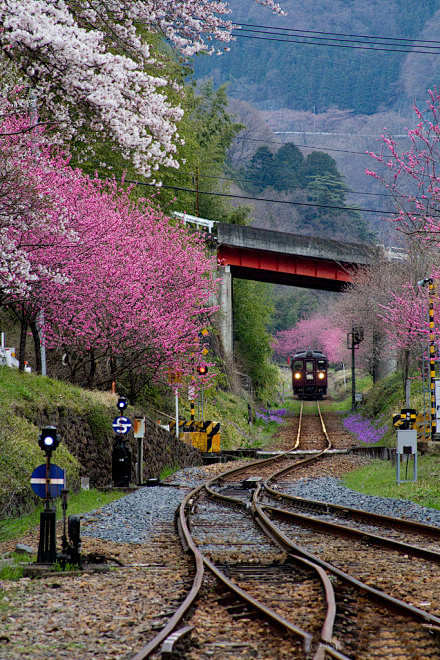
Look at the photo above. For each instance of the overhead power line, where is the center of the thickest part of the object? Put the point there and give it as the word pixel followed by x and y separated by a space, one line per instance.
pixel 342 35
pixel 263 199
pixel 337 40
pixel 241 180
pixel 238 180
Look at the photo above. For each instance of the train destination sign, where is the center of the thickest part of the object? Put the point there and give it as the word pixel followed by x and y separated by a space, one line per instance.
pixel 56 481
pixel 121 425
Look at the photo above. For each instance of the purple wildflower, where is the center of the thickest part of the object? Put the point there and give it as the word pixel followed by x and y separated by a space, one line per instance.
pixel 364 429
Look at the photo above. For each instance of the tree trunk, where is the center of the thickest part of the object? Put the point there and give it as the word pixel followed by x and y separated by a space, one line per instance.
pixel 37 346
pixel 92 371
pixel 22 347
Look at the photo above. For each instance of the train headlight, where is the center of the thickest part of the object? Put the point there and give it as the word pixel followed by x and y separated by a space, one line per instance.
pixel 321 375
pixel 297 375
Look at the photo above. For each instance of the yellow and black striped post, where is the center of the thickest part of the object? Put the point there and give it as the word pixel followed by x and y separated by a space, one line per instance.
pixel 432 356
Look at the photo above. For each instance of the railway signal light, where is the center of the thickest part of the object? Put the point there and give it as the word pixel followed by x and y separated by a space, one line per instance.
pixel 202 369
pixel 122 403
pixel 49 439
pixel 357 334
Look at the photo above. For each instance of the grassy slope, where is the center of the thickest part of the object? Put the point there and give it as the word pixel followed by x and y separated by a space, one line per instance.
pixel 379 478
pixel 24 397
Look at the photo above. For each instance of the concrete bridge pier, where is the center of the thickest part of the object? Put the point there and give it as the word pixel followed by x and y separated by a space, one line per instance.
pixel 225 312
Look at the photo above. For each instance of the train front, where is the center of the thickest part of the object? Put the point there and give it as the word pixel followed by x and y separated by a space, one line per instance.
pixel 309 374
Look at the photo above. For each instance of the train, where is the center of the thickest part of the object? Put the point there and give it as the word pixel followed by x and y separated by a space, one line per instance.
pixel 309 374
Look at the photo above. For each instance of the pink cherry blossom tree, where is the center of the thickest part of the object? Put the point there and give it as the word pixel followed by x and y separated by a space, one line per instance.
pixel 29 214
pixel 412 177
pixel 122 287
pixel 318 333
pixel 148 297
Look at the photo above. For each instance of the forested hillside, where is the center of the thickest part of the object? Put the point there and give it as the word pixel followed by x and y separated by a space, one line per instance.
pixel 269 74
pixel 338 99
pixel 313 189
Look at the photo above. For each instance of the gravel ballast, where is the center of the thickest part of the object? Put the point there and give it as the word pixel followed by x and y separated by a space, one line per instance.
pixel 331 490
pixel 132 518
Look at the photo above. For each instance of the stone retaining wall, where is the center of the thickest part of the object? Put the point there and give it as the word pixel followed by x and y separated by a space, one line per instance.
pixel 91 440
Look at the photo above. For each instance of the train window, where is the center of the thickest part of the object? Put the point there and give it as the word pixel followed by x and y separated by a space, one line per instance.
pixel 321 364
pixel 298 365
pixel 309 366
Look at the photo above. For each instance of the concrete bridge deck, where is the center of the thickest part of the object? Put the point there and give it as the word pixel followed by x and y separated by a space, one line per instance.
pixel 281 258
pixel 272 256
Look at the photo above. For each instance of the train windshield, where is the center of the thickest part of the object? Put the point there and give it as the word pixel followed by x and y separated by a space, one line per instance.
pixel 309 366
pixel 321 364
pixel 298 365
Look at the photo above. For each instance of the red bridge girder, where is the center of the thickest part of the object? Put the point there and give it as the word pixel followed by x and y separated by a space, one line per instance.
pixel 281 268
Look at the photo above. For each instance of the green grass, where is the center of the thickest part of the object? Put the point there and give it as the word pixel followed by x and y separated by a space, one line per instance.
pixel 27 400
pixel 86 500
pixel 11 573
pixel 379 478
pixel 169 470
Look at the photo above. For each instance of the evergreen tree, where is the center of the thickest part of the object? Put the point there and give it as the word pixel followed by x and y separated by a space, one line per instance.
pixel 288 162
pixel 260 171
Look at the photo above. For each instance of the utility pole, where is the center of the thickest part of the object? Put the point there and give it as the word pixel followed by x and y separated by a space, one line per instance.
pixel 432 357
pixel 354 338
pixel 430 282
pixel 197 191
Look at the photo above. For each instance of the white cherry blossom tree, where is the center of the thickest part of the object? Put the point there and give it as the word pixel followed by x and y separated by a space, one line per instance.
pixel 91 65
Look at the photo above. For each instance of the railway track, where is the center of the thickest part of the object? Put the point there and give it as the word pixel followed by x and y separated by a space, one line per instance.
pixel 301 579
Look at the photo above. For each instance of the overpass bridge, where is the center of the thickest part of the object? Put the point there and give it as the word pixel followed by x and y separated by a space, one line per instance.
pixel 282 258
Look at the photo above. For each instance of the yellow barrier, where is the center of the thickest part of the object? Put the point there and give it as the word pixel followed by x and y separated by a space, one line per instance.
pixel 204 436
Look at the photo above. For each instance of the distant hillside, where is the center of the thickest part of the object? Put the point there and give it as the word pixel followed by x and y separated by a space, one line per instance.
pixel 311 193
pixel 272 75
pixel 346 138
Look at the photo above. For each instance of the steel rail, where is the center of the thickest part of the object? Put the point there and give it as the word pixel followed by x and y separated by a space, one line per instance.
pixel 343 530
pixel 327 628
pixel 228 473
pixel 409 525
pixel 195 589
pixel 275 618
pixel 240 593
pixel 272 531
pixel 327 507
pixel 304 461
pixel 201 560
pixel 382 597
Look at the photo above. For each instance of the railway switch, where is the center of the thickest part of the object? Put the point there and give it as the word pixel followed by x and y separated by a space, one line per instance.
pixel 71 541
pixel 251 482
